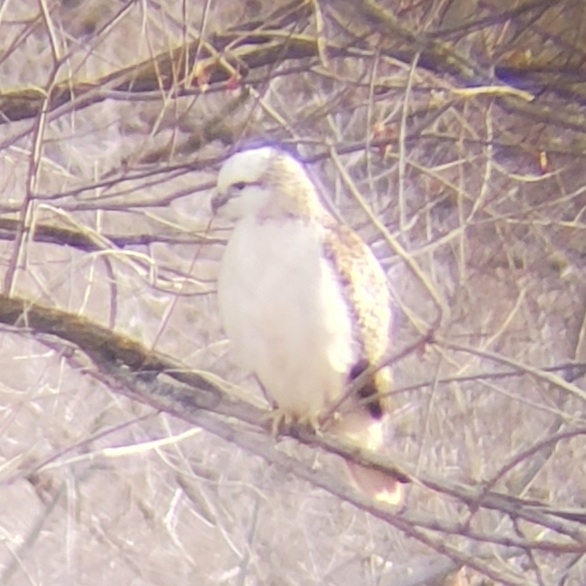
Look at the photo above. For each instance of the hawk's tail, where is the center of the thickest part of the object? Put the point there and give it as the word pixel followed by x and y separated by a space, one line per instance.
pixel 361 429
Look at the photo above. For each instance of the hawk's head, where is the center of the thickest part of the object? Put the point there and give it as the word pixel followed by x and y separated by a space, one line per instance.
pixel 264 182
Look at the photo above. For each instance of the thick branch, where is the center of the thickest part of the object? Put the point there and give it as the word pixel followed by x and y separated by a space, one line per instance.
pixel 112 351
pixel 190 69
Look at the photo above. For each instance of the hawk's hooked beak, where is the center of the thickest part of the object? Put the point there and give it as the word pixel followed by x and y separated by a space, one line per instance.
pixel 218 200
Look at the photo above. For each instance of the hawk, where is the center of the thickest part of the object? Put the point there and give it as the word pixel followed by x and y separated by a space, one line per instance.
pixel 305 304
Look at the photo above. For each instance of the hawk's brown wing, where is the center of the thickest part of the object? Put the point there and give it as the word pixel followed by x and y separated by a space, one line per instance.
pixel 369 305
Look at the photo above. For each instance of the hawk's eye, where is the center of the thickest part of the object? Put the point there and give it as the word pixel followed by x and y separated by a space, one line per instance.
pixel 240 185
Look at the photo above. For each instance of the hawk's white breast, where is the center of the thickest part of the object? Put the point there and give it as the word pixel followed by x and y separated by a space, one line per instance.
pixel 283 310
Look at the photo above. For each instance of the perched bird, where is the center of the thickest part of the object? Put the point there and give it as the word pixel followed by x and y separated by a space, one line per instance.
pixel 305 304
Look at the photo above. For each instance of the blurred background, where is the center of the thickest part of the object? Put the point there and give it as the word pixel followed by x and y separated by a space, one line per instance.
pixel 451 134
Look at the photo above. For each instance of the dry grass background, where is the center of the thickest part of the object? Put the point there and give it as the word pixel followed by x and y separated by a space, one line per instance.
pixel 450 133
